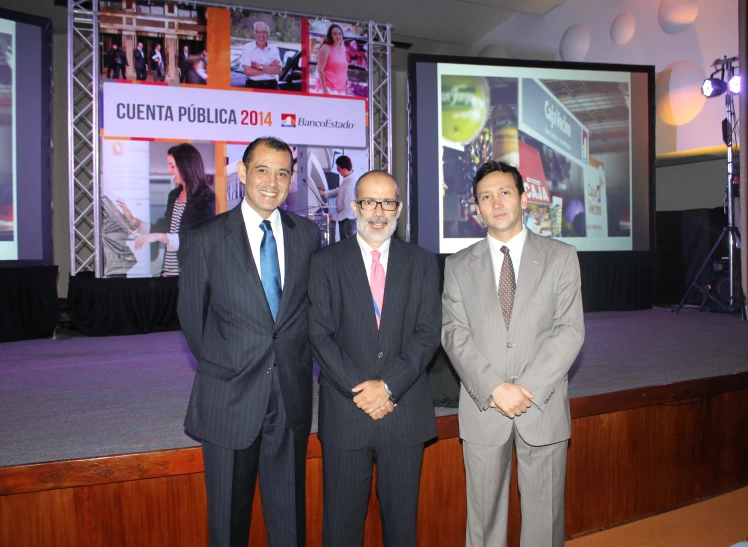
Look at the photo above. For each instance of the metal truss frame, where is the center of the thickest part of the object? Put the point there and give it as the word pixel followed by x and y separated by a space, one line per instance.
pixel 380 97
pixel 83 122
pixel 83 136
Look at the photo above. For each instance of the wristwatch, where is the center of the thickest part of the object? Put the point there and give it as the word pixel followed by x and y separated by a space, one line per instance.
pixel 262 66
pixel 389 392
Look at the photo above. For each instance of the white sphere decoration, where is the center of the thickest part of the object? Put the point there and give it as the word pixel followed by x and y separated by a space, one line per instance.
pixel 493 51
pixel 678 92
pixel 575 43
pixel 622 29
pixel 675 16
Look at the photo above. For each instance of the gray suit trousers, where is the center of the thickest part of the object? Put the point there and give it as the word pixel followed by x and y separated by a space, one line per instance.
pixel 542 475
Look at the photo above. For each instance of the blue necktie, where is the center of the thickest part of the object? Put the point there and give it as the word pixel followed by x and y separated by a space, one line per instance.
pixel 271 275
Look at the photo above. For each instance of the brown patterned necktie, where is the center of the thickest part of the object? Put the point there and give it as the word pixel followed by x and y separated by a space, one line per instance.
pixel 507 286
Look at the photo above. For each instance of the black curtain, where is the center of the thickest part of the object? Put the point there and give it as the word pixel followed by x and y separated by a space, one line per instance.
pixel 684 239
pixel 114 306
pixel 617 281
pixel 28 302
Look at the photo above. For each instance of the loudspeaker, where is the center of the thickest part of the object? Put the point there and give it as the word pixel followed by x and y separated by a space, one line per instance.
pixel 719 285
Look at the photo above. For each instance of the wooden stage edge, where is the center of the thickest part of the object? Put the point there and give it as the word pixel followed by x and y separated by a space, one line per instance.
pixel 633 453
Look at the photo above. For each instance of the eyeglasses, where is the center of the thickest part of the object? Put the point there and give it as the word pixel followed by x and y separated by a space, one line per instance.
pixel 371 204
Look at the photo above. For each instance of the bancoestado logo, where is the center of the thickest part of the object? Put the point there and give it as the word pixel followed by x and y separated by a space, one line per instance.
pixel 288 120
pixel 326 124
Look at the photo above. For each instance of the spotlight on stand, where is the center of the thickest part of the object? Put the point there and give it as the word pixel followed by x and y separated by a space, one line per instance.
pixel 713 87
pixel 734 84
pixel 725 80
pixel 717 84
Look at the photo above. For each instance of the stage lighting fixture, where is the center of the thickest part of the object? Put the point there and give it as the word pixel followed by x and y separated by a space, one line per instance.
pixel 713 87
pixel 734 84
pixel 725 80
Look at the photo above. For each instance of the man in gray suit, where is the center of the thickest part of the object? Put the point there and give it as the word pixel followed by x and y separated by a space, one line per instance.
pixel 243 307
pixel 512 327
pixel 374 326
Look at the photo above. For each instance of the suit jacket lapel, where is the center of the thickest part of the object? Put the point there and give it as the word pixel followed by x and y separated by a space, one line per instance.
pixel 238 243
pixel 356 272
pixel 482 265
pixel 392 286
pixel 291 251
pixel 530 267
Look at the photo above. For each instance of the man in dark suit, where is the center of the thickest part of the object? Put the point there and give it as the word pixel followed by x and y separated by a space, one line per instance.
pixel 122 63
pixel 139 62
pixel 243 307
pixel 184 64
pixel 375 321
pixel 112 67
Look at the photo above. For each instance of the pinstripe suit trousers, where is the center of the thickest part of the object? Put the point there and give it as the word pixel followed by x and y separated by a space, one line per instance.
pixel 347 478
pixel 278 457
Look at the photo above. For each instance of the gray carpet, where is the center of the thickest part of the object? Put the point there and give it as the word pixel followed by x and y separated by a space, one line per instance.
pixel 627 350
pixel 89 397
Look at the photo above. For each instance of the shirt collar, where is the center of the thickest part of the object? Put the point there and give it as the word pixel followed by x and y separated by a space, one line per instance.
pixel 515 244
pixel 253 219
pixel 366 249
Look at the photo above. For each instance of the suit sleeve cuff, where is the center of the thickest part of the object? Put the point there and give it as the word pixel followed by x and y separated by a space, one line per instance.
pixel 542 396
pixel 481 392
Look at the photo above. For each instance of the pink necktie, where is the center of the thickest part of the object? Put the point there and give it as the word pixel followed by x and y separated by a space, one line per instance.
pixel 376 284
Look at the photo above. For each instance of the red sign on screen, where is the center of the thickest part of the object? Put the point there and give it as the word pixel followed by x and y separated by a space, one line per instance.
pixel 531 167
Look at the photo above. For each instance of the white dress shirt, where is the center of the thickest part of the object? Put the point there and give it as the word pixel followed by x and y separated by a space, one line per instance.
pixel 343 198
pixel 252 221
pixel 515 245
pixel 366 249
pixel 250 53
pixel 173 239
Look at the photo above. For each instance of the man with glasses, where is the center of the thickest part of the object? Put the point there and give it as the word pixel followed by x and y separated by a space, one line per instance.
pixel 374 320
pixel 261 61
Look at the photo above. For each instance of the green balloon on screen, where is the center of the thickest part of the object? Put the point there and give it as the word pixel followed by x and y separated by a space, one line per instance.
pixel 465 104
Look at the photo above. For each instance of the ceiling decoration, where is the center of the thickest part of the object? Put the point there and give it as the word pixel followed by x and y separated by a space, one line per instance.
pixel 575 43
pixel 622 29
pixel 675 16
pixel 678 92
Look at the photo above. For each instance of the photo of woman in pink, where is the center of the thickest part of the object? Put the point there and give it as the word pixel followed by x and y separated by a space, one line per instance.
pixel 332 63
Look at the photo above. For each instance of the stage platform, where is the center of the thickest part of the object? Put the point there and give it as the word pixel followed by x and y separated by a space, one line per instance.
pixel 659 405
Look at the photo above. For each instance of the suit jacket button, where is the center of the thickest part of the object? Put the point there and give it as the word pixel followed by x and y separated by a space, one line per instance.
pixel 380 355
pixel 269 370
pixel 275 336
pixel 510 344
